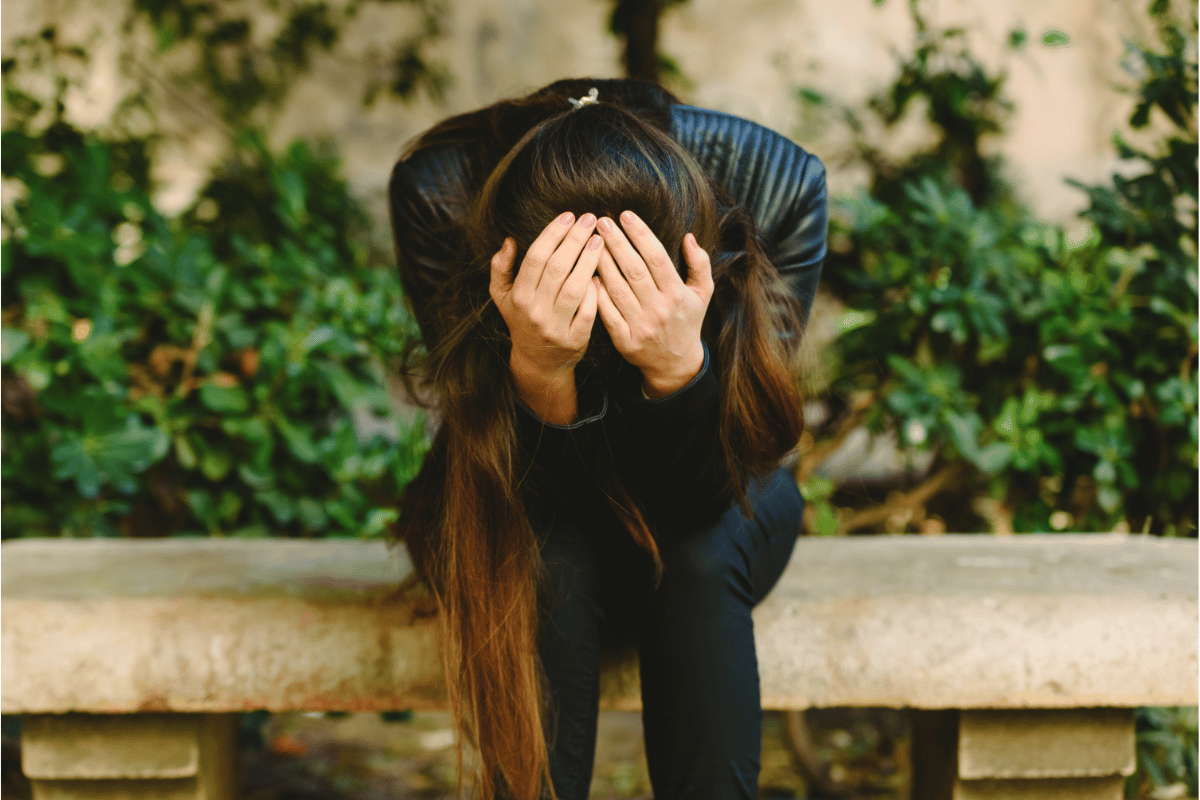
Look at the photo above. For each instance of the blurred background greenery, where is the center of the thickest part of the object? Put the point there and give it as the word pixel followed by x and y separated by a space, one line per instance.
pixel 228 369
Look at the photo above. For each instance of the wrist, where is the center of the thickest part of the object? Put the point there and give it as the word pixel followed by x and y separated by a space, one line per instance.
pixel 658 384
pixel 549 394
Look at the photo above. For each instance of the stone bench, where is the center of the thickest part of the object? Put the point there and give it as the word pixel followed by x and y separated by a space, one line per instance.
pixel 1022 657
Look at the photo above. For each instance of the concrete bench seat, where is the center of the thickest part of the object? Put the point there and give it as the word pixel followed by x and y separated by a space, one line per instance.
pixel 1023 656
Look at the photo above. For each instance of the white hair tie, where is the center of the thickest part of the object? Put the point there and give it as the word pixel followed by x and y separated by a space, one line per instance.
pixel 592 97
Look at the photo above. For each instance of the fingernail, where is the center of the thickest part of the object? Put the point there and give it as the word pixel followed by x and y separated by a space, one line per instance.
pixel 587 220
pixel 567 218
pixel 628 217
pixel 594 243
pixel 605 224
pixel 689 240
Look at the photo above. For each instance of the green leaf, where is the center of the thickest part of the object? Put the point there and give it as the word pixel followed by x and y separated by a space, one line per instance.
pixel 1005 423
pixel 282 507
pixel 1105 472
pixel 74 460
pixel 223 400
pixel 184 454
pixel 817 488
pixel 853 319
pixel 810 96
pixel 202 506
pixel 216 463
pixel 229 506
pixel 377 521
pixel 255 480
pixel 1055 38
pixel 964 432
pixel 12 341
pixel 317 337
pixel 1109 498
pixel 312 514
pixel 993 457
pixel 825 520
pixel 298 440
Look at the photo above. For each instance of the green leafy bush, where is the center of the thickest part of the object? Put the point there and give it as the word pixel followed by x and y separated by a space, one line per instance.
pixel 200 375
pixel 1056 378
pixel 1166 753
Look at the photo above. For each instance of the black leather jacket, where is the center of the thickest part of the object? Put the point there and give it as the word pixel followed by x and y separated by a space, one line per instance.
pixel 665 450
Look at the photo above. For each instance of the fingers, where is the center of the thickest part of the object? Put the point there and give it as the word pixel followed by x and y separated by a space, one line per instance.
pixel 616 287
pixel 631 264
pixel 502 264
pixel 562 260
pixel 617 327
pixel 539 253
pixel 581 326
pixel 651 250
pixel 699 278
pixel 576 285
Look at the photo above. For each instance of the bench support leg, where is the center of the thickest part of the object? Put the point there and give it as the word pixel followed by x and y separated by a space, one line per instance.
pixel 1022 754
pixel 78 756
pixel 934 753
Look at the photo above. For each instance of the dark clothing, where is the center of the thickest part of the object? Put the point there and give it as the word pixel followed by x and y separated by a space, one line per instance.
pixel 701 708
pixel 695 636
pixel 694 633
pixel 667 451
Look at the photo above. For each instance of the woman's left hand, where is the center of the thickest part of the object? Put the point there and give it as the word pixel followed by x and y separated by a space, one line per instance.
pixel 654 318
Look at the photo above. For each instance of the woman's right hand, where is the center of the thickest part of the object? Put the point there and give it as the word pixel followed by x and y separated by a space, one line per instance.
pixel 549 309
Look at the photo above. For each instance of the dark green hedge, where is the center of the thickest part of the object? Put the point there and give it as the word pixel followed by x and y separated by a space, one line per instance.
pixel 199 375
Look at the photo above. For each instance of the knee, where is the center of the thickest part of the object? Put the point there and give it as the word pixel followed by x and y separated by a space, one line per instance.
pixel 698 565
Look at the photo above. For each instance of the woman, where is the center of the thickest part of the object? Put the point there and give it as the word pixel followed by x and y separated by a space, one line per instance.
pixel 612 353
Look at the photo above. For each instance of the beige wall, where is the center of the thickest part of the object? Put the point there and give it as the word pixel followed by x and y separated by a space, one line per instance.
pixel 746 57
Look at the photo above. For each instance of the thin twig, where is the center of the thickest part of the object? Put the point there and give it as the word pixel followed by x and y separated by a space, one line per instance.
pixel 918 496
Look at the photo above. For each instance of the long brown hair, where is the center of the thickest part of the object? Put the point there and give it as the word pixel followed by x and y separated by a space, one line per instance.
pixel 464 517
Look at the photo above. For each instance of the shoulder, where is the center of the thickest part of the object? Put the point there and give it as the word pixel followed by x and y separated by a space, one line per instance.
pixel 779 184
pixel 735 150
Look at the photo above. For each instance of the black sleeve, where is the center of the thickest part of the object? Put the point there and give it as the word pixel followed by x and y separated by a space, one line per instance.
pixel 556 461
pixel 778 182
pixel 668 451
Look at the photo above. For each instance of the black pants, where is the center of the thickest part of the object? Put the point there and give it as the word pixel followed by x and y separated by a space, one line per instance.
pixel 701 710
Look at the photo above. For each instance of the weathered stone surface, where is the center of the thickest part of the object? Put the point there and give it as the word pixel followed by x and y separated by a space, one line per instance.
pixel 187 625
pixel 1111 788
pixel 219 757
pixel 179 789
pixel 1054 621
pixel 110 745
pixel 966 621
pixel 108 756
pixel 1034 743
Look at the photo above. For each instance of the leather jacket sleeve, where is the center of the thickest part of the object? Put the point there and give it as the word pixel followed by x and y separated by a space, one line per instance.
pixel 776 180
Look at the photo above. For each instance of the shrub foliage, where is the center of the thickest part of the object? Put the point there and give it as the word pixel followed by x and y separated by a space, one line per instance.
pixel 1056 377
pixel 202 375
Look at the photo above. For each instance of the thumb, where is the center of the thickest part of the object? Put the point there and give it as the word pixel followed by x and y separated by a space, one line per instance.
pixel 699 267
pixel 502 264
